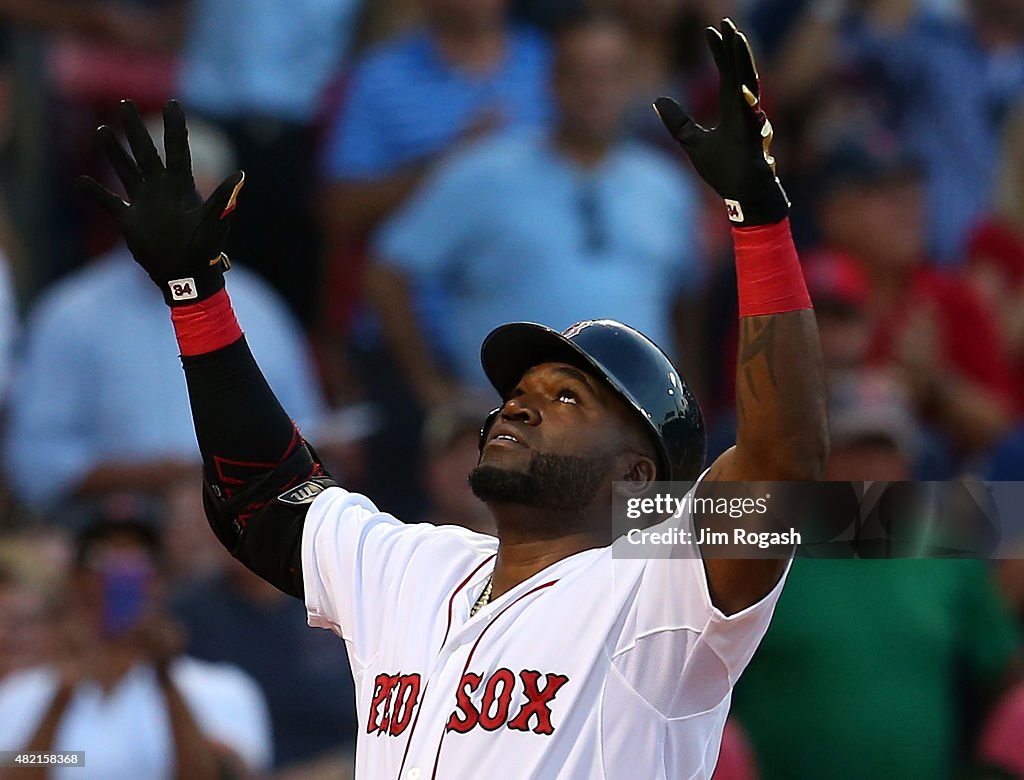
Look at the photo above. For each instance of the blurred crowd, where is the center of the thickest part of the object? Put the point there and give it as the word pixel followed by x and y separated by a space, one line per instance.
pixel 418 172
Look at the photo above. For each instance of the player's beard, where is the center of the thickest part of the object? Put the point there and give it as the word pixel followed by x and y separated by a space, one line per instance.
pixel 559 483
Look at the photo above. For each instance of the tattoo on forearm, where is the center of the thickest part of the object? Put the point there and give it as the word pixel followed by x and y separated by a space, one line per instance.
pixel 741 408
pixel 758 339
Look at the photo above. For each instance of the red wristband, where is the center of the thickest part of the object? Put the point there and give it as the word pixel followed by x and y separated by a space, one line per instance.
pixel 205 326
pixel 768 273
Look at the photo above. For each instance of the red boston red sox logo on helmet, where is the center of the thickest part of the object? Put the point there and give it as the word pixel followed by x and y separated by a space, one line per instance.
pixel 574 330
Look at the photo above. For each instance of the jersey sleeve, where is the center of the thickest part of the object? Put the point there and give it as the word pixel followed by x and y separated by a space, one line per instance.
pixel 358 563
pixel 676 650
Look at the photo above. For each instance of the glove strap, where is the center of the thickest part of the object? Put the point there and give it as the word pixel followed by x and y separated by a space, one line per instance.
pixel 768 273
pixel 206 326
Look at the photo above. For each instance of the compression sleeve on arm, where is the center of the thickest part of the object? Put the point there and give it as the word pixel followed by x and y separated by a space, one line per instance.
pixel 252 452
pixel 240 425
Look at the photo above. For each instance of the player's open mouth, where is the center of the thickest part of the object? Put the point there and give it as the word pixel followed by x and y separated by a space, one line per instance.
pixel 505 438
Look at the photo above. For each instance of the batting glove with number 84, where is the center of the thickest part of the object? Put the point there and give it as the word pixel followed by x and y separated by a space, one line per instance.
pixel 172 233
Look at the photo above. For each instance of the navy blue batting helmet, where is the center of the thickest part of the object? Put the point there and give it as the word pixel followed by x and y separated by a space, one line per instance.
pixel 629 362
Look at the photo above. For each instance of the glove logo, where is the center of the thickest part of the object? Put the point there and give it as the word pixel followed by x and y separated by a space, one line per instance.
pixel 183 289
pixel 734 209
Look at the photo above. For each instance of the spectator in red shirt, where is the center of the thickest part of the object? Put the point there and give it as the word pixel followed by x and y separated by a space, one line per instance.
pixel 995 269
pixel 995 254
pixel 838 286
pixel 926 323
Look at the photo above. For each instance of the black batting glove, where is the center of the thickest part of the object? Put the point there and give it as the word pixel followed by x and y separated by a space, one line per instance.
pixel 171 232
pixel 734 157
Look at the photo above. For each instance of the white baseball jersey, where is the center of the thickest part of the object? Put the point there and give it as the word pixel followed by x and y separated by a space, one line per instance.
pixel 596 667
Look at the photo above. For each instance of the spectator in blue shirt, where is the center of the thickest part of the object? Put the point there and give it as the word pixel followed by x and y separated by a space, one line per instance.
pixel 464 73
pixel 94 408
pixel 955 84
pixel 551 227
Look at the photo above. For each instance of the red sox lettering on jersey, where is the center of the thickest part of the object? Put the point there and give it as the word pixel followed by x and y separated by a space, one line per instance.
pixel 497 701
pixel 395 697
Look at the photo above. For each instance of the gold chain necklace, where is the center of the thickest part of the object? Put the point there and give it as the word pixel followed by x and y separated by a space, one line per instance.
pixel 485 597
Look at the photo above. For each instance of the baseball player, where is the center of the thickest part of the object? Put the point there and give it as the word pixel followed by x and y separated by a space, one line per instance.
pixel 539 653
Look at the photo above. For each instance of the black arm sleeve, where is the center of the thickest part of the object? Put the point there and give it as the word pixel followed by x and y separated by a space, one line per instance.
pixel 259 473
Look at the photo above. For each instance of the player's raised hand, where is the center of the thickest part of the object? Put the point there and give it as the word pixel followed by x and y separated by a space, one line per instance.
pixel 173 234
pixel 734 157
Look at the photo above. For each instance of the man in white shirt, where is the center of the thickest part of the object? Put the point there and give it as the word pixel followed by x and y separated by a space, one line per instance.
pixel 121 692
